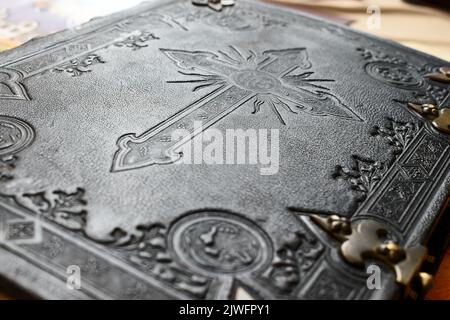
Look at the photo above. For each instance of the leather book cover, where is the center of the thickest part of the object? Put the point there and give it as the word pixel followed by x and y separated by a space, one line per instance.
pixel 173 151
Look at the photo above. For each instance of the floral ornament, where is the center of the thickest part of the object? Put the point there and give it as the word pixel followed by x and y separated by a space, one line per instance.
pixel 363 175
pixel 61 207
pixel 147 248
pixel 296 256
pixel 137 40
pixel 76 67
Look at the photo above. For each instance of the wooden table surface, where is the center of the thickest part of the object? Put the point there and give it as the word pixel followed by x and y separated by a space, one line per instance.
pixel 4 296
pixel 441 289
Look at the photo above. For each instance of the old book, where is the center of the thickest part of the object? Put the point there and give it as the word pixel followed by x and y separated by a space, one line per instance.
pixel 119 178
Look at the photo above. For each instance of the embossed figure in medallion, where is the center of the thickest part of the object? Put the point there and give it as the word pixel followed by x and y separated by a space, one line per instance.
pixel 219 243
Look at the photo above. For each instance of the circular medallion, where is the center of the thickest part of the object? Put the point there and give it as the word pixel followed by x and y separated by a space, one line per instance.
pixel 15 135
pixel 398 75
pixel 256 81
pixel 218 242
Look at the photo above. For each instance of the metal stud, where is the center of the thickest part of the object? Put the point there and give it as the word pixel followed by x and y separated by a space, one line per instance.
pixel 442 75
pixel 440 118
pixel 216 5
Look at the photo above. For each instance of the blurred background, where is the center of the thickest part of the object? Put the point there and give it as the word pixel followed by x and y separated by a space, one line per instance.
pixel 423 25
pixel 420 24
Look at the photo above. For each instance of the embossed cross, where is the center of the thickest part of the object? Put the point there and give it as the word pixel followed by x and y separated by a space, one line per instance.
pixel 276 79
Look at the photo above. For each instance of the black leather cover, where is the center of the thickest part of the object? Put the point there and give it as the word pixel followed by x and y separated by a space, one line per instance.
pixel 88 177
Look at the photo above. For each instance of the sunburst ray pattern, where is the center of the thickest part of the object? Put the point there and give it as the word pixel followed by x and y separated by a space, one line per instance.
pixel 277 79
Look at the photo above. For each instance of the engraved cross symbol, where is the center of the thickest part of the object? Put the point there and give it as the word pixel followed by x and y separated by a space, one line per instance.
pixel 277 79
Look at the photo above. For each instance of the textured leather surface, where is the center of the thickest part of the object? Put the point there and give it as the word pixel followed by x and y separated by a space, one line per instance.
pixel 83 110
